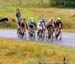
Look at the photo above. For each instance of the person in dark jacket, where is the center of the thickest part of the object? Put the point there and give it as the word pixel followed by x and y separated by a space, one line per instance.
pixel 18 15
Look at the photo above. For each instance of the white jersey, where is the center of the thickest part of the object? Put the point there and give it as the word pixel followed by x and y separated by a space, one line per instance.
pixel 40 26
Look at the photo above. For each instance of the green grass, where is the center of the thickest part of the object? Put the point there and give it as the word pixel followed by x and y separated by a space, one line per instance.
pixel 26 52
pixel 9 10
pixel 37 13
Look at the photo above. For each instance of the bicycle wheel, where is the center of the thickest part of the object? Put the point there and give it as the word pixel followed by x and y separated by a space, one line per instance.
pixel 20 34
pixel 25 35
pixel 51 38
pixel 59 36
pixel 32 34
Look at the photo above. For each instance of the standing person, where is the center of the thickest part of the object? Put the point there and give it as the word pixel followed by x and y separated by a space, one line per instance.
pixel 18 15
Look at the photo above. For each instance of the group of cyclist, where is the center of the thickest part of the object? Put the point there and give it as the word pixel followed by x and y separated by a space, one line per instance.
pixel 41 26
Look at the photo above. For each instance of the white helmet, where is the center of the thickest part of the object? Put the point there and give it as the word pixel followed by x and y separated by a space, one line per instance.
pixel 59 18
pixel 51 19
pixel 32 20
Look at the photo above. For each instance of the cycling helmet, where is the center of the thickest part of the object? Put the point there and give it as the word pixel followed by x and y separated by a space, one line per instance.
pixel 40 21
pixel 59 18
pixel 51 19
pixel 32 20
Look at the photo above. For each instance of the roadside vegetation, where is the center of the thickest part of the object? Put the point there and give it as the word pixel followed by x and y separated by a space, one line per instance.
pixel 26 52
pixel 37 9
pixel 67 16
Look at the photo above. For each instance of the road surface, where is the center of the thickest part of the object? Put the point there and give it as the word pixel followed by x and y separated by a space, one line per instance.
pixel 68 39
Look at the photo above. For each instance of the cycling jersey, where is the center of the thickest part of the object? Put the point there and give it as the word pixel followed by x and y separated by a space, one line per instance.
pixel 58 24
pixel 31 23
pixel 50 24
pixel 41 24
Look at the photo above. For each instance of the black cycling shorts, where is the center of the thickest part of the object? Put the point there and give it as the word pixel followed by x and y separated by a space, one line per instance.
pixel 31 26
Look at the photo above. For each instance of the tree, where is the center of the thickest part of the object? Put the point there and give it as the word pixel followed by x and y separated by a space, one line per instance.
pixel 20 2
pixel 41 2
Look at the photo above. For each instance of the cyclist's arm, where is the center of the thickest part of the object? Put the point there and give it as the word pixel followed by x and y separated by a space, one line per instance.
pixel 45 24
pixel 61 25
pixel 28 24
pixel 35 26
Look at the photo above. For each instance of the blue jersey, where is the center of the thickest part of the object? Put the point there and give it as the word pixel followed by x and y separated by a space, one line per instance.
pixel 18 14
pixel 42 22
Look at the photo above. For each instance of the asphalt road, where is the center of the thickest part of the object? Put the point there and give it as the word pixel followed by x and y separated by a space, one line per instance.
pixel 68 39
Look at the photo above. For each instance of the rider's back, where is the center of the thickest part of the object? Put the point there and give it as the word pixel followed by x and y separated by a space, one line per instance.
pixel 57 24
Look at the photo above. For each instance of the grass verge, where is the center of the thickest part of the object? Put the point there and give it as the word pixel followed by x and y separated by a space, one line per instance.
pixel 26 52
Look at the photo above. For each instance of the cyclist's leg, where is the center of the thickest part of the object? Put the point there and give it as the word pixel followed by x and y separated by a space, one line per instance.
pixel 60 34
pixel 31 30
pixel 51 31
pixel 57 32
pixel 38 32
pixel 19 28
pixel 39 29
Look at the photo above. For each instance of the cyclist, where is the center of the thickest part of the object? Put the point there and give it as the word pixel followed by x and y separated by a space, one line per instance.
pixel 31 23
pixel 41 26
pixel 51 23
pixel 23 26
pixel 50 26
pixel 58 26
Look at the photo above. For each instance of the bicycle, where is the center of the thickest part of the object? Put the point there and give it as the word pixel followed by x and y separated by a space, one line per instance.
pixel 58 34
pixel 31 34
pixel 41 34
pixel 21 33
pixel 49 36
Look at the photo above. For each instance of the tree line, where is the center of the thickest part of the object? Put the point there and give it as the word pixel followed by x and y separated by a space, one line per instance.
pixel 55 3
pixel 62 3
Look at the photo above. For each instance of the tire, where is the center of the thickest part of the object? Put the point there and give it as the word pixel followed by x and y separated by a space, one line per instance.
pixel 20 34
pixel 47 37
pixel 41 35
pixel 59 36
pixel 32 35
pixel 51 37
